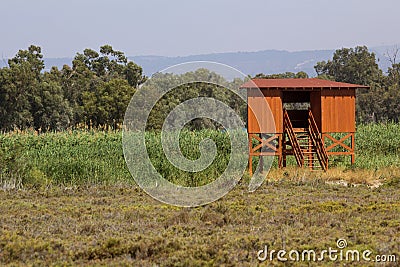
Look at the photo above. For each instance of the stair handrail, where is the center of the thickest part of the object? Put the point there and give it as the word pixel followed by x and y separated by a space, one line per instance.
pixel 288 128
pixel 316 139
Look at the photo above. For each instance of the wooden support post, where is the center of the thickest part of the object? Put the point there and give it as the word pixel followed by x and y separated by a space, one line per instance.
pixel 280 151
pixel 261 159
pixel 310 156
pixel 353 143
pixel 250 155
pixel 284 150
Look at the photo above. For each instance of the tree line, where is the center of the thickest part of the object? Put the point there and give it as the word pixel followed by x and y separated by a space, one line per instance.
pixel 96 89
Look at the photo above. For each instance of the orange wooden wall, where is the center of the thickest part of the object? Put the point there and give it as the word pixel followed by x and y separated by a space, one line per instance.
pixel 259 119
pixel 315 103
pixel 338 110
pixel 333 110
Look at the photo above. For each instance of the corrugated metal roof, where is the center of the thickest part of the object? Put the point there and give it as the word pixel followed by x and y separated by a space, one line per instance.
pixel 311 83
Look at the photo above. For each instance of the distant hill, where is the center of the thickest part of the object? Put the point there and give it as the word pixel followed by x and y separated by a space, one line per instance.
pixel 267 61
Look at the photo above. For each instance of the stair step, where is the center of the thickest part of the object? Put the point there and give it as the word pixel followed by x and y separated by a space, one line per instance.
pixel 314 163
pixel 302 138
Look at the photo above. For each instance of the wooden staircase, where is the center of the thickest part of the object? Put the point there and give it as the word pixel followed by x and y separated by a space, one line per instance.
pixel 306 144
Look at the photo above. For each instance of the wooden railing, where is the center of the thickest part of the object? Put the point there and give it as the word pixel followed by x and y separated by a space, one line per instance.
pixel 287 124
pixel 315 136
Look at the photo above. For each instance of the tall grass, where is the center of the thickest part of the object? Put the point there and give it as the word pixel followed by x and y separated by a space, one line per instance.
pixel 189 144
pixel 68 157
pixel 378 145
pixel 96 157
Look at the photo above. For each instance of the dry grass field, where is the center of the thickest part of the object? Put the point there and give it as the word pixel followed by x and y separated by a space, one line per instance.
pixel 120 225
pixel 67 199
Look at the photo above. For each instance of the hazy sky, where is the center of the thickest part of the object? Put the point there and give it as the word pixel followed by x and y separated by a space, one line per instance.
pixel 179 27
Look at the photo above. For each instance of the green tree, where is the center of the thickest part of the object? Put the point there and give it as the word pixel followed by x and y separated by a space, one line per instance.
pixel 110 64
pixel 286 75
pixel 17 83
pixel 359 66
pixel 14 98
pixel 49 109
pixel 184 89
pixel 394 75
pixel 29 97
pixel 301 75
pixel 91 76
pixel 351 65
pixel 75 81
pixel 107 104
pixel 32 58
pixel 96 88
